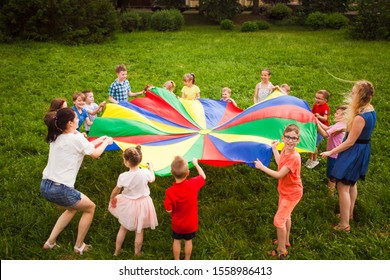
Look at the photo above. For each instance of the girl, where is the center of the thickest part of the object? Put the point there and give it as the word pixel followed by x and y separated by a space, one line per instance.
pixel 67 150
pixel 170 85
pixel 133 207
pixel 264 88
pixel 290 187
pixel 354 153
pixel 190 91
pixel 55 105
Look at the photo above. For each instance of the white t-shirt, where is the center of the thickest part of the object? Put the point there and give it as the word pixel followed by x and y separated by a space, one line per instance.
pixel 135 183
pixel 91 107
pixel 65 157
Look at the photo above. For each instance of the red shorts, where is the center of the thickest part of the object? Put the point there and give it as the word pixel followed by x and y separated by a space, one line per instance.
pixel 285 208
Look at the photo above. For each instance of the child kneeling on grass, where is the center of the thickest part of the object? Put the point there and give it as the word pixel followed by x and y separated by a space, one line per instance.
pixel 290 187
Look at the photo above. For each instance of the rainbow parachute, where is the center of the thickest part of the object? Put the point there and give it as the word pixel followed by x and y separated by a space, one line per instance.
pixel 213 131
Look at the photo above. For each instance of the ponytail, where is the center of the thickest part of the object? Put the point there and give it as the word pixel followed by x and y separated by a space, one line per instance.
pixel 58 123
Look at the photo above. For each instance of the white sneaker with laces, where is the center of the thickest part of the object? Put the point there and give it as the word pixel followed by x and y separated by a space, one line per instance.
pixel 308 162
pixel 313 164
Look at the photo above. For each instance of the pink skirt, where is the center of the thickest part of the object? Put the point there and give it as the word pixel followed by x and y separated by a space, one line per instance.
pixel 135 214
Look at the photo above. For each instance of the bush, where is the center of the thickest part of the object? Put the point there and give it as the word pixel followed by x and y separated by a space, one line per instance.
pixel 129 21
pixel 317 20
pixel 337 21
pixel 144 23
pixel 262 25
pixel 328 6
pixel 217 10
pixel 167 20
pixel 279 11
pixel 249 26
pixel 226 24
pixel 372 21
pixel 68 21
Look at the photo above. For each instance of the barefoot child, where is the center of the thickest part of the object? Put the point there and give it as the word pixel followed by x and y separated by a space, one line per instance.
pixel 290 187
pixel 133 207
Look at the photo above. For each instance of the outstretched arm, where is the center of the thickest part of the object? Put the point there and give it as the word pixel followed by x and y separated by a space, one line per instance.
pixel 276 174
pixel 105 141
pixel 198 168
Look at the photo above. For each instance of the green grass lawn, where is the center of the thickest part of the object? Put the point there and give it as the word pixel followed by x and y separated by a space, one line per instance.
pixel 237 205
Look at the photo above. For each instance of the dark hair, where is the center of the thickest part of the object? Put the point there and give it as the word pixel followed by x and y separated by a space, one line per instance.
pixel 58 123
pixel 56 104
pixel 133 155
pixel 119 68
pixel 292 127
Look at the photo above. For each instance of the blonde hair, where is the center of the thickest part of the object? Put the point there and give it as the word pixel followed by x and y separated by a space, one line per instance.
pixel 179 167
pixel 361 96
pixel 133 155
pixel 169 85
pixel 227 89
pixel 189 77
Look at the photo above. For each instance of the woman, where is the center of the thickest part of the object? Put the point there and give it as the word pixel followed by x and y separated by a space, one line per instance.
pixel 354 153
pixel 67 150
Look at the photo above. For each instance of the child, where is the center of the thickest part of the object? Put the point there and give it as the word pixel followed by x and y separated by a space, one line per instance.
pixel 91 107
pixel 226 92
pixel 181 200
pixel 284 88
pixel 79 102
pixel 169 85
pixel 335 134
pixel 120 89
pixel 190 91
pixel 133 207
pixel 264 88
pixel 321 111
pixel 55 105
pixel 290 187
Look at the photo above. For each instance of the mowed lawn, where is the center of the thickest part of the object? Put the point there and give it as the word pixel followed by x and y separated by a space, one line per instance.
pixel 237 205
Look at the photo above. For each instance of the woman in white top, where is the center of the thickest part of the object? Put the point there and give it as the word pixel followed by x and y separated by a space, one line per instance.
pixel 67 150
pixel 264 88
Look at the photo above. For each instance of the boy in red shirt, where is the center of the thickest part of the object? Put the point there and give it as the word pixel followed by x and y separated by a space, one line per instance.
pixel 181 200
pixel 321 111
pixel 290 187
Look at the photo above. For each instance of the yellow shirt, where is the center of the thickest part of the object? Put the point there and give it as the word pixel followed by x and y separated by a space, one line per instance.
pixel 191 93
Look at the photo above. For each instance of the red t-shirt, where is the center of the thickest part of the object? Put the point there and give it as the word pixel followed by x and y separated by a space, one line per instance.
pixel 290 186
pixel 323 110
pixel 182 200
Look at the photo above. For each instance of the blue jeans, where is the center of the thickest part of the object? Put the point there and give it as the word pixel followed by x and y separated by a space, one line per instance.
pixel 59 194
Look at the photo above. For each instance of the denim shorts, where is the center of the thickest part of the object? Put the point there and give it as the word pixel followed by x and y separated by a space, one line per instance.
pixel 59 194
pixel 319 139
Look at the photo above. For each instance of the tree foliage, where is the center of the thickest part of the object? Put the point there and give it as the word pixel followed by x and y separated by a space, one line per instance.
pixel 218 10
pixel 69 21
pixel 328 6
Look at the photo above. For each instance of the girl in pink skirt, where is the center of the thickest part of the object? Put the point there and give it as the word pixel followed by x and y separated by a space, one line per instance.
pixel 133 206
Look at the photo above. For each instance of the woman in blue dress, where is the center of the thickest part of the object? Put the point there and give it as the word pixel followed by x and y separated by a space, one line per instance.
pixel 354 153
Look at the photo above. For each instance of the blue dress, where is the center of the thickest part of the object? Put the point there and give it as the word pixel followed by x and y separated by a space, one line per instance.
pixel 352 164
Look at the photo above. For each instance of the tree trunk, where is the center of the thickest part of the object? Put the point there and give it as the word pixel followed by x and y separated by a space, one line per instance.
pixel 255 8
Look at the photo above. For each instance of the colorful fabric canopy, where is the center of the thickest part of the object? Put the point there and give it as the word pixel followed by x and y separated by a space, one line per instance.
pixel 213 131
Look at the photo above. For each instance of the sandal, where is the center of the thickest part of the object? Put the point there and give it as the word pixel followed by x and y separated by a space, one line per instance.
pixel 275 242
pixel 340 228
pixel 276 253
pixel 47 245
pixel 82 249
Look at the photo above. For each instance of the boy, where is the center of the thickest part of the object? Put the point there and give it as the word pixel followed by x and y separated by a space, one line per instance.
pixel 321 111
pixel 335 134
pixel 120 89
pixel 226 92
pixel 79 102
pixel 181 201
pixel 290 187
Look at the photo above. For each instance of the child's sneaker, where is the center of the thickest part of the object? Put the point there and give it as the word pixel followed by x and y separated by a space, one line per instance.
pixel 307 163
pixel 313 164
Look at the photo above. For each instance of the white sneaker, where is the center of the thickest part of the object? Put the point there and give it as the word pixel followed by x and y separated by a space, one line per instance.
pixel 313 164
pixel 307 163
